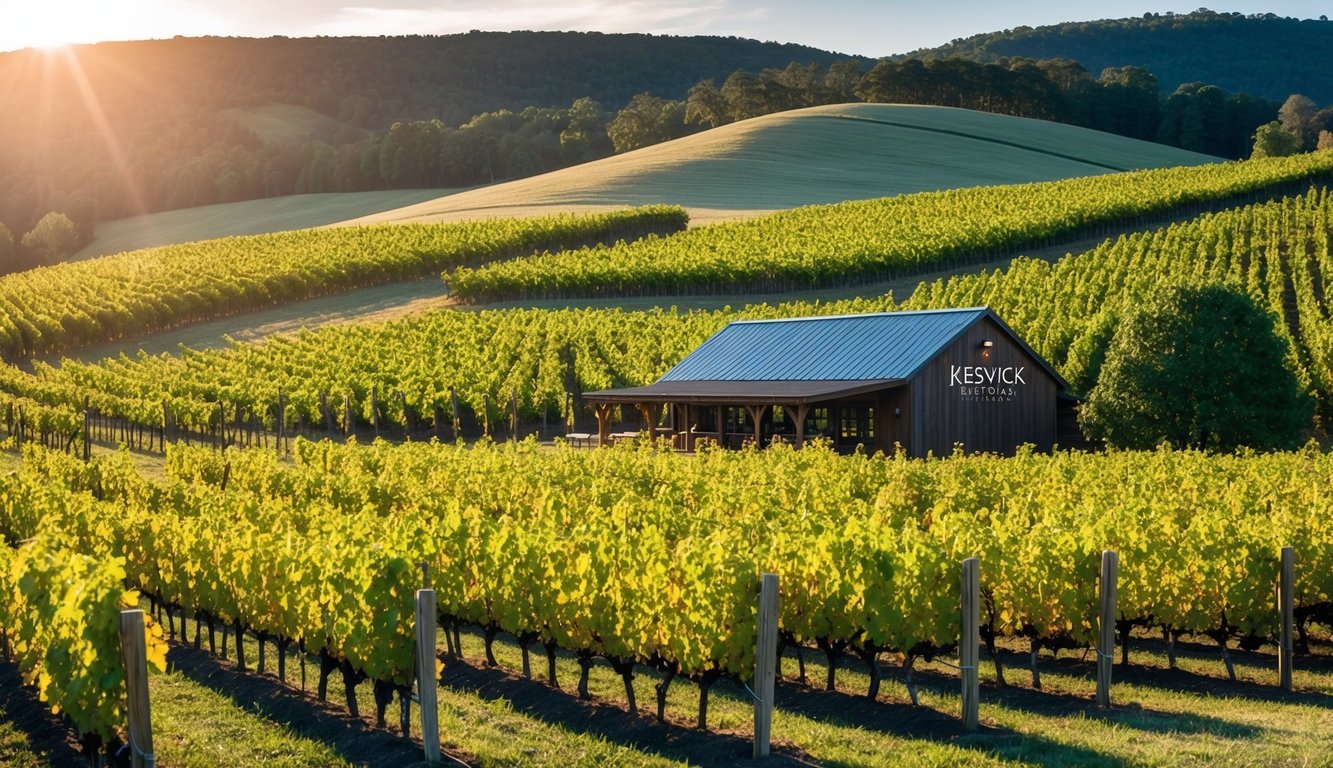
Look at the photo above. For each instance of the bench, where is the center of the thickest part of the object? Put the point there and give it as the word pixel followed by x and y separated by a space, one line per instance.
pixel 579 438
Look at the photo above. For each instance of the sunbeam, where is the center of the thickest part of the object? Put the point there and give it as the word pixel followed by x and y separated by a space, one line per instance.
pixel 105 133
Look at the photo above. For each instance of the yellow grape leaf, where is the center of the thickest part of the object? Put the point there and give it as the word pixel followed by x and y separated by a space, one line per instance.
pixel 155 648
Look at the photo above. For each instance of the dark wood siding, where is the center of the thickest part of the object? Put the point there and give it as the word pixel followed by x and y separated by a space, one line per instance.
pixel 968 394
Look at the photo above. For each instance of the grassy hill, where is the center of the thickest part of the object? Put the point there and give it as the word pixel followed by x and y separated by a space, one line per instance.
pixel 252 217
pixel 812 156
pixel 1263 55
pixel 189 115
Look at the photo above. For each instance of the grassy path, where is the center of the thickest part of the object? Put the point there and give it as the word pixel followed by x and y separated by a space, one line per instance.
pixel 388 302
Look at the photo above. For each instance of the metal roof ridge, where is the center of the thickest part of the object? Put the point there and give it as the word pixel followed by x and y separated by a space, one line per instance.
pixel 897 313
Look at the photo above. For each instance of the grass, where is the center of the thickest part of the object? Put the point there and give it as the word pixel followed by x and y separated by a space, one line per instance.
pixel 252 217
pixel 197 727
pixel 1188 716
pixel 811 156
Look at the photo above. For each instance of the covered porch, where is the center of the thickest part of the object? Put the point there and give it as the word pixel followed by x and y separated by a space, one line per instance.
pixel 736 413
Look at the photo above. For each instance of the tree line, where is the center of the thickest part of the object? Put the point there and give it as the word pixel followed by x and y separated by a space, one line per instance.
pixel 504 145
pixel 147 126
pixel 1262 54
pixel 181 152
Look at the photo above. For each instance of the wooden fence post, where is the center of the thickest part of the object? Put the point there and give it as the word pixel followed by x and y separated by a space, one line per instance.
pixel 1106 642
pixel 375 408
pixel 968 643
pixel 133 655
pixel 87 427
pixel 425 628
pixel 513 416
pixel 453 411
pixel 1286 600
pixel 765 663
pixel 282 421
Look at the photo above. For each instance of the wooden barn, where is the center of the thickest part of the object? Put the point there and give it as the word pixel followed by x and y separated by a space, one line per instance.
pixel 925 380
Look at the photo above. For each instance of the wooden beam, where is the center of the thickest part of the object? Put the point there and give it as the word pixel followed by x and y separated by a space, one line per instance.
pixel 603 422
pixel 757 416
pixel 689 428
pixel 802 411
pixel 649 412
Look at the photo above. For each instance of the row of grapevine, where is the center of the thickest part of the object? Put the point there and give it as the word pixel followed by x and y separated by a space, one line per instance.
pixel 402 373
pixel 59 615
pixel 53 308
pixel 1068 310
pixel 642 555
pixel 879 239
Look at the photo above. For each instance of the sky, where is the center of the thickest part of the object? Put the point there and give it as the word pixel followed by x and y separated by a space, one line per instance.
pixel 865 27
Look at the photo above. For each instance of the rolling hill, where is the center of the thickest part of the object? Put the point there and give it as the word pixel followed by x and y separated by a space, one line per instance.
pixel 813 156
pixel 197 121
pixel 250 217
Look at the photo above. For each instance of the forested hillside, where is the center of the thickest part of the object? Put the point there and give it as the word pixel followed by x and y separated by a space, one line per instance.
pixel 108 130
pixel 1262 55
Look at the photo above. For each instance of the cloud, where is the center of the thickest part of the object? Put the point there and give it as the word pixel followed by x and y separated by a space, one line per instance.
pixel 664 16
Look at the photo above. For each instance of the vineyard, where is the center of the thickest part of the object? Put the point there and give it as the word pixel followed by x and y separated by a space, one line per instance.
pixel 59 617
pixel 647 558
pixel 404 376
pixel 53 308
pixel 880 239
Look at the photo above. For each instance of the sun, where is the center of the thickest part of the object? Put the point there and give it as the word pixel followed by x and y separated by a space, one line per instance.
pixel 49 26
pixel 54 24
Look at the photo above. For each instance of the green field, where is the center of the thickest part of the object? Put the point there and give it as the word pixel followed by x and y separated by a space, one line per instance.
pixel 812 156
pixel 785 160
pixel 252 217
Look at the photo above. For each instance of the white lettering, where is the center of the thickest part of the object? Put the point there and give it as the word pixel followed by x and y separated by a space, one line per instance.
pixel 986 383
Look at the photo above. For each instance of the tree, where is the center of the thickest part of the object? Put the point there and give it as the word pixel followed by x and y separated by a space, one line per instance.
pixel 1272 140
pixel 7 260
pixel 705 105
pixel 1299 115
pixel 1200 366
pixel 585 137
pixel 1325 140
pixel 645 121
pixel 52 239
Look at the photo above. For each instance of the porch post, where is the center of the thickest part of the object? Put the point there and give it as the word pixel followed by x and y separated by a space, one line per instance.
pixel 603 422
pixel 801 411
pixel 757 416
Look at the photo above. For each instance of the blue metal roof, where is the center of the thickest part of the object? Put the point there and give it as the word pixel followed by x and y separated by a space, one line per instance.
pixel 886 345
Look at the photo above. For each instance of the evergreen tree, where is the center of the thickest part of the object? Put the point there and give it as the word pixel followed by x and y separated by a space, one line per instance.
pixel 1199 367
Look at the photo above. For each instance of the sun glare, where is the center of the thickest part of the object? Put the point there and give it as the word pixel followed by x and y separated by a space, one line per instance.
pixel 53 24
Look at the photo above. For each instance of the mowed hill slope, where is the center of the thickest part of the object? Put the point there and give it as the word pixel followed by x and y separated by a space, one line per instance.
pixel 811 156
pixel 249 217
